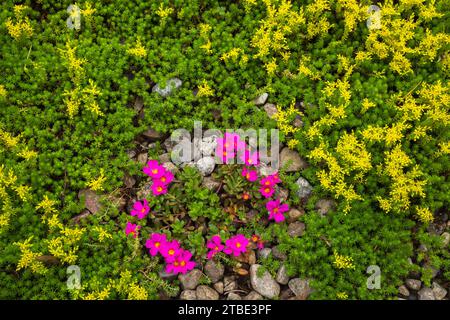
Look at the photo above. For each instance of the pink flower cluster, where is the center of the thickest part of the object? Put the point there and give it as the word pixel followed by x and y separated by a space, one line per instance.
pixel 161 177
pixel 178 260
pixel 231 146
pixel 233 246
pixel 132 229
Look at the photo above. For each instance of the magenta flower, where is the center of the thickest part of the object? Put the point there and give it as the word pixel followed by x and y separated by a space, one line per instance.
pixel 140 209
pixel 236 245
pixel 250 175
pixel 249 158
pixel 276 210
pixel 155 243
pixel 132 229
pixel 169 250
pixel 275 178
pixel 266 191
pixel 153 169
pixel 258 241
pixel 267 181
pixel 182 263
pixel 166 178
pixel 215 244
pixel 159 188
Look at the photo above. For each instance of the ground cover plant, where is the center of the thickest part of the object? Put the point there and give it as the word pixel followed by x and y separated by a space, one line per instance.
pixel 93 206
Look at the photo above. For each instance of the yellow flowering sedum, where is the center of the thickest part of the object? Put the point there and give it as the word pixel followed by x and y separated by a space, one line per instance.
pixel 28 258
pixel 97 183
pixel 22 26
pixel 138 50
pixel 343 262
pixel 424 215
pixel 204 90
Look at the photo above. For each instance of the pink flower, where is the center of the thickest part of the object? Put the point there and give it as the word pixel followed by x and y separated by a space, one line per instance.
pixel 140 209
pixel 159 188
pixel 275 178
pixel 267 181
pixel 155 243
pixel 250 159
pixel 182 263
pixel 153 169
pixel 266 191
pixel 276 210
pixel 215 244
pixel 229 146
pixel 169 250
pixel 250 175
pixel 166 178
pixel 258 241
pixel 132 229
pixel 236 245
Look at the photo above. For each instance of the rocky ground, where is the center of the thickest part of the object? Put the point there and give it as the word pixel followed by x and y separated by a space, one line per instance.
pixel 242 282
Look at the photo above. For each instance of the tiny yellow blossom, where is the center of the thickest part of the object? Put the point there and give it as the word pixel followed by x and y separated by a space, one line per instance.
pixel 343 262
pixel 97 183
pixel 138 50
pixel 204 90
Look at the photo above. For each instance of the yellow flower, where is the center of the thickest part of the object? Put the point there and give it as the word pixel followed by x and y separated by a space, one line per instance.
pixel 424 215
pixel 27 154
pixel 207 47
pixel 343 262
pixel 138 50
pixel 163 13
pixel 2 91
pixel 23 192
pixel 88 11
pixel 47 205
pixel 271 67
pixel 342 295
pixel 204 90
pixel 28 258
pixel 102 234
pixel 366 105
pixel 97 184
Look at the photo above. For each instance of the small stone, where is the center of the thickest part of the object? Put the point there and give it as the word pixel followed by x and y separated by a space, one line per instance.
pixel 191 279
pixel 176 138
pixel 296 163
pixel 188 295
pixel 403 291
pixel 445 239
pixel 138 104
pixel 219 287
pixel 131 154
pixel 278 254
pixel 282 276
pixel 171 85
pixel 413 284
pixel 253 295
pixel 294 214
pixel 298 123
pixel 271 110
pixel 438 291
pixel 144 190
pixel 167 276
pixel 171 167
pixel 323 206
pixel 165 157
pixel 206 165
pixel 91 200
pixel 229 283
pixel 283 194
pixel 233 296
pixel 264 285
pixel 264 253
pixel 129 181
pixel 142 158
pixel 210 184
pixel 152 135
pixel 304 188
pixel 206 293
pixel 300 287
pixel 84 214
pixel 286 294
pixel 48 259
pixel 426 294
pixel 296 229
pixel 261 99
pixel 214 270
pixel 206 146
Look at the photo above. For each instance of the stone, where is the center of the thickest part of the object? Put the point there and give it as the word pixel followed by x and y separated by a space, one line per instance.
pixel 298 123
pixel 229 283
pixel 296 229
pixel 264 285
pixel 304 188
pixel 445 239
pixel 142 158
pixel 218 286
pixel 278 254
pixel 426 294
pixel 205 146
pixel 48 259
pixel 191 279
pixel 129 181
pixel 210 184
pixel 138 104
pixel 171 167
pixel 152 135
pixel 144 190
pixel 131 154
pixel 171 85
pixel 206 165
pixel 167 276
pixel 188 295
pixel 413 284
pixel 206 293
pixel 294 214
pixel 253 295
pixel 286 294
pixel 214 270
pixel 261 99
pixel 165 157
pixel 283 194
pixel 403 291
pixel 264 253
pixel 282 276
pixel 84 214
pixel 300 287
pixel 265 170
pixel 271 110
pixel 233 296
pixel 296 163
pixel 323 206
pixel 91 200
pixel 438 291
pixel 172 141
